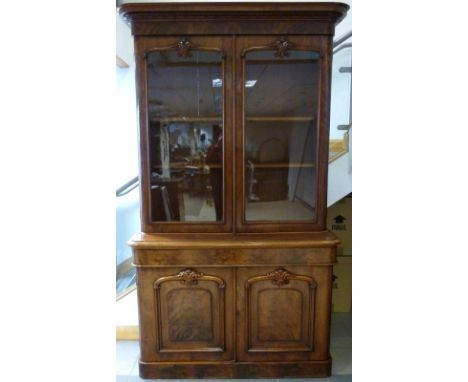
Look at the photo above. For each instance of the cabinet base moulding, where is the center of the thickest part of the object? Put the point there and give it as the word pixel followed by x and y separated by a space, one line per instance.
pixel 170 370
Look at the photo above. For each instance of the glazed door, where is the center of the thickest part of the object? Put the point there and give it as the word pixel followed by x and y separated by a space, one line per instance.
pixel 282 130
pixel 185 133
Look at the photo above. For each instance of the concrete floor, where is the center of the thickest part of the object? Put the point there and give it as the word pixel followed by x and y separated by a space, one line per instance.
pixel 341 339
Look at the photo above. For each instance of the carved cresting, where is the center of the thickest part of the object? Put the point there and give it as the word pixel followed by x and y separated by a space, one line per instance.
pixel 190 277
pixel 279 277
pixel 282 46
pixel 183 48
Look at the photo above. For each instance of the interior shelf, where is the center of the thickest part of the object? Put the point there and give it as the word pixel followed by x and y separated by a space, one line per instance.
pixel 284 165
pixel 219 119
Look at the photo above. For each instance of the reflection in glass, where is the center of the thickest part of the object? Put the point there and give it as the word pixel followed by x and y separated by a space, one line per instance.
pixel 280 135
pixel 185 107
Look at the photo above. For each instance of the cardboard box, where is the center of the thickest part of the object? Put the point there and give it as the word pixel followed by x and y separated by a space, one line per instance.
pixel 342 285
pixel 339 221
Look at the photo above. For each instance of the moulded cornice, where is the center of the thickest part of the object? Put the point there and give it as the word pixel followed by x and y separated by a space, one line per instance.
pixel 135 13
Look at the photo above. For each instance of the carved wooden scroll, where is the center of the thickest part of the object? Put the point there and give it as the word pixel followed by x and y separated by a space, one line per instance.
pixel 280 277
pixel 184 49
pixel 190 277
pixel 281 46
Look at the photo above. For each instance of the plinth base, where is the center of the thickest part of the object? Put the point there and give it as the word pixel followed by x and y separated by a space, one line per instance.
pixel 163 370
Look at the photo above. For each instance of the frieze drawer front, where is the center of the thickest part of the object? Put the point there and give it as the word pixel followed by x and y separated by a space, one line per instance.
pixel 283 313
pixel 187 313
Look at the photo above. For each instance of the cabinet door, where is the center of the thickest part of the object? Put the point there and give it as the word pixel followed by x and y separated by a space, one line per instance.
pixel 283 313
pixel 185 94
pixel 186 314
pixel 282 94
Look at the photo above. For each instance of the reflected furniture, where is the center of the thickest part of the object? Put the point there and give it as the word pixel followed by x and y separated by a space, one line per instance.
pixel 271 171
pixel 234 262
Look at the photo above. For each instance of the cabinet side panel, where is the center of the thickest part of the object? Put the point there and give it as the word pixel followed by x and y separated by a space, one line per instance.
pixel 324 129
pixel 141 94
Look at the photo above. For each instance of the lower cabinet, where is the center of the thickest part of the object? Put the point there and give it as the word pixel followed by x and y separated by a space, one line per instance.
pixel 269 313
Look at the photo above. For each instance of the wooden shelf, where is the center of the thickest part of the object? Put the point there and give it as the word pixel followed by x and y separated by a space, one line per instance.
pixel 283 165
pixel 279 119
pixel 189 119
pixel 184 166
pixel 219 119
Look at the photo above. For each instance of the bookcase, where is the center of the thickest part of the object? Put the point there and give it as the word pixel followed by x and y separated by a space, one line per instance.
pixel 234 263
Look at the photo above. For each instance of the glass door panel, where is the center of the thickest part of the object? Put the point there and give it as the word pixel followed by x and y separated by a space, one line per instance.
pixel 280 135
pixel 185 117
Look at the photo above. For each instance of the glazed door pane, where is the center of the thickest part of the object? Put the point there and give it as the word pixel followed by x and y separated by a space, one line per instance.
pixel 185 117
pixel 280 134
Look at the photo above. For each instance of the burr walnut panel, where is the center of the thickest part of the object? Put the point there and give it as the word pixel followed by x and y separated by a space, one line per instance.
pixel 187 313
pixel 190 311
pixel 281 311
pixel 274 327
pixel 190 315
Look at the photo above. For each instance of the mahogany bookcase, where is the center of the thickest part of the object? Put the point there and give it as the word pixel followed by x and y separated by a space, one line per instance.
pixel 234 263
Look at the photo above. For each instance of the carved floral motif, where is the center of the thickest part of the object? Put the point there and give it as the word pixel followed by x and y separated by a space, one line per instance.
pixel 183 48
pixel 189 276
pixel 279 276
pixel 282 45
